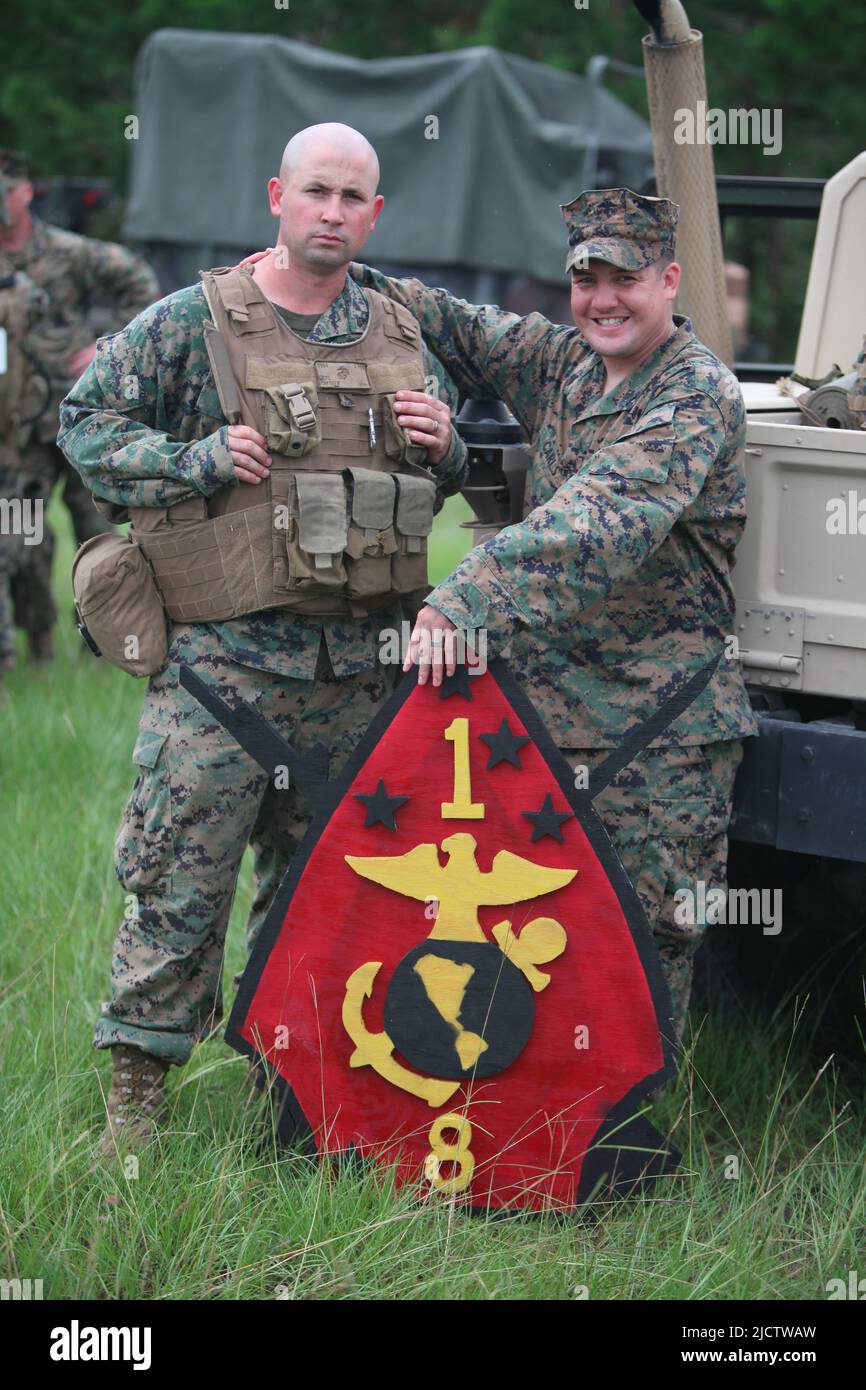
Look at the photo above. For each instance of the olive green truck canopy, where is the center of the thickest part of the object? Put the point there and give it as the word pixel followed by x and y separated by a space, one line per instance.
pixel 477 147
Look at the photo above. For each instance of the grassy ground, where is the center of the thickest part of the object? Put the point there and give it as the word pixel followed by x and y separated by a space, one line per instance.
pixel 207 1215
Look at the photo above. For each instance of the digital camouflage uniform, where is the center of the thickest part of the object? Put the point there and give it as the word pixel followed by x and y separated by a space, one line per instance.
pixel 616 586
pixel 76 273
pixel 198 798
pixel 20 302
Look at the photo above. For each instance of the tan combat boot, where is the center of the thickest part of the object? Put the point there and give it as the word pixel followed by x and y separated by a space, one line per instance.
pixel 136 1101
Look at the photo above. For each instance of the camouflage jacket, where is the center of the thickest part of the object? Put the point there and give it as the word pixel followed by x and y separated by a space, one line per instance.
pixel 144 428
pixel 76 273
pixel 20 305
pixel 616 586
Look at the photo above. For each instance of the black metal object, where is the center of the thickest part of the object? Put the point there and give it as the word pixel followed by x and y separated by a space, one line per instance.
pixel 763 195
pixel 802 787
pixel 495 489
pixel 763 371
pixel 488 424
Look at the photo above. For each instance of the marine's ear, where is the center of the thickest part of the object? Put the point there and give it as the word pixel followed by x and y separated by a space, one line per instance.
pixel 378 204
pixel 671 279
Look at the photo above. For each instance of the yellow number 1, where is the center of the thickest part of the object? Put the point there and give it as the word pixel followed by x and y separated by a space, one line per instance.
pixel 462 807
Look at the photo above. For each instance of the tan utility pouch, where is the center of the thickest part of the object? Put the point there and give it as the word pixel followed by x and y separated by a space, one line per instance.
pixel 119 609
pixel 292 424
pixel 416 498
pixel 371 541
pixel 318 532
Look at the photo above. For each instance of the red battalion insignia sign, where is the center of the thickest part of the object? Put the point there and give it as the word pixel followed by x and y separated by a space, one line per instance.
pixel 456 979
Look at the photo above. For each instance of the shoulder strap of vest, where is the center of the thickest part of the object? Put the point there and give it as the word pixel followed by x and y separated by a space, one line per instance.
pixel 240 297
pixel 217 352
pixel 224 377
pixel 397 323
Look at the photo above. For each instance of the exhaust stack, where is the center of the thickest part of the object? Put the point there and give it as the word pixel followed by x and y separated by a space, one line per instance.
pixel 674 64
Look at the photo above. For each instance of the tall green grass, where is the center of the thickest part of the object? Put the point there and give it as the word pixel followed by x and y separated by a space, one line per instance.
pixel 211 1214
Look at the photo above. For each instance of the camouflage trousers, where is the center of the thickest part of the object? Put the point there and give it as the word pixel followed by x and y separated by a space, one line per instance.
pixel 197 802
pixel 43 466
pixel 13 550
pixel 667 814
pixel 11 557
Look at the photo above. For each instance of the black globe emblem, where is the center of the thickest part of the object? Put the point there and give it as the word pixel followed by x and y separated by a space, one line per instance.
pixel 458 1009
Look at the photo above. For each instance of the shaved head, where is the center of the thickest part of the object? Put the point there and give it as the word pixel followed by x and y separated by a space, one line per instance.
pixel 329 139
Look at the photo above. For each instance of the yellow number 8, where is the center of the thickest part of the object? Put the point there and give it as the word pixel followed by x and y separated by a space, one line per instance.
pixel 459 1153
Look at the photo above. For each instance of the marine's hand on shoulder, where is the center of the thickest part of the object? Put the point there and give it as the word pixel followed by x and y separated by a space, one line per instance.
pixel 249 453
pixel 426 420
pixel 254 258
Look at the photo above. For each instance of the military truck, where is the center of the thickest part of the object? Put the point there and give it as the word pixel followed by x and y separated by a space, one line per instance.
pixel 800 578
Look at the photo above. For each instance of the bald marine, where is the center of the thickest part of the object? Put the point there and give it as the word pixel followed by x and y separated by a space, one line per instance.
pixel 326 201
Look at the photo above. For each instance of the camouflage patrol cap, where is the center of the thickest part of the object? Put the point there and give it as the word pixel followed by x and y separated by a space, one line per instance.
pixel 13 165
pixel 625 229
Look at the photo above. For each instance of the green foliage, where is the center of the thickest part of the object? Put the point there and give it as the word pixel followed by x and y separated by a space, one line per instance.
pixel 803 56
pixel 555 32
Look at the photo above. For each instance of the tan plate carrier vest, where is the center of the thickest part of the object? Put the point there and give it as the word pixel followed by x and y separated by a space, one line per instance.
pixel 341 525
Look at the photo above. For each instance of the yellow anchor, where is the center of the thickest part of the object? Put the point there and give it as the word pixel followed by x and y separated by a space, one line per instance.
pixel 459 889
pixel 375 1049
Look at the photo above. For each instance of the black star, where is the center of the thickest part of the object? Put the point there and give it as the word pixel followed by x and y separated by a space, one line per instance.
pixel 547 821
pixel 504 746
pixel 380 807
pixel 458 684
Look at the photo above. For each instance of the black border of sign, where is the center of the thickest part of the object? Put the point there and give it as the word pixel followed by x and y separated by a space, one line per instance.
pixel 606 1162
